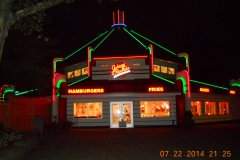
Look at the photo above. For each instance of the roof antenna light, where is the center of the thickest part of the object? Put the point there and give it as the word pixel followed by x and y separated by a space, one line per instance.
pixel 118 20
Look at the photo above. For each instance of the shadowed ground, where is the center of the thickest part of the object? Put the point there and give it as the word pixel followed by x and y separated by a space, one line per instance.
pixel 140 143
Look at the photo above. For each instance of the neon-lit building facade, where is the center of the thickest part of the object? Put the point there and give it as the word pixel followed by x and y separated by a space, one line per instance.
pixel 140 89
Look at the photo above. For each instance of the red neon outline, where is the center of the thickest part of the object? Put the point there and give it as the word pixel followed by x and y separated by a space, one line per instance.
pixel 152 57
pixel 188 85
pixel 54 87
pixel 113 18
pixel 88 61
pixel 129 57
pixel 118 17
pixel 123 17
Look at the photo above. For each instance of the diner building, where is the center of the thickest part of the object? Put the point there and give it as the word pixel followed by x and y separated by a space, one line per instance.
pixel 139 88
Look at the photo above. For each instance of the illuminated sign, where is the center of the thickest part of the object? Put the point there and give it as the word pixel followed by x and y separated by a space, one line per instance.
pixel 81 91
pixel 204 90
pixel 155 89
pixel 232 92
pixel 119 69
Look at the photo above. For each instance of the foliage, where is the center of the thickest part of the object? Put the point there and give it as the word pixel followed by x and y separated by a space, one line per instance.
pixel 8 135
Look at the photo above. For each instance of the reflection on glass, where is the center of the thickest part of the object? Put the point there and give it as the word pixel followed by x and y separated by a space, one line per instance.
pixel 127 113
pixel 115 113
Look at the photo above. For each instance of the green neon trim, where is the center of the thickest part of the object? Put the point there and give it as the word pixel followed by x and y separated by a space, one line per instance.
pixel 7 90
pixel 78 81
pixel 91 50
pixel 150 49
pixel 135 38
pixel 55 64
pixel 86 45
pixel 25 92
pixel 59 83
pixel 184 84
pixel 207 84
pixel 235 84
pixel 154 43
pixel 104 39
pixel 186 58
pixel 163 79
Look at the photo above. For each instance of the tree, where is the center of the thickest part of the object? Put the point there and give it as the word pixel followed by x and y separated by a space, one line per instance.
pixel 27 64
pixel 14 12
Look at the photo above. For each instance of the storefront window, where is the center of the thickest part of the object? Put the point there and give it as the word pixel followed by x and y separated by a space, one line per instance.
pixel 210 108
pixel 196 108
pixel 171 70
pixel 84 71
pixel 164 69
pixel 156 68
pixel 77 73
pixel 87 110
pixel 223 108
pixel 70 74
pixel 154 108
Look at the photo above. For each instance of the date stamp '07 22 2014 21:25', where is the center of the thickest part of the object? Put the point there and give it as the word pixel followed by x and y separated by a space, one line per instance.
pixel 195 153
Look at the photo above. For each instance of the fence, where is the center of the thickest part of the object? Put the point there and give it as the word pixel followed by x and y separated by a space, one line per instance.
pixel 19 112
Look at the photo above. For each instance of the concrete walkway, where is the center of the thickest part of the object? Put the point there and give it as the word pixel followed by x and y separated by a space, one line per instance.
pixel 204 142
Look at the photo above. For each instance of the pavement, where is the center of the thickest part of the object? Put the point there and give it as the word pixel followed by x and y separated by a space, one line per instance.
pixel 214 141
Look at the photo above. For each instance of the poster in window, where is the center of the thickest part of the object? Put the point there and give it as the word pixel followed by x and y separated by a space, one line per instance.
pixel 163 69
pixel 70 74
pixel 77 72
pixel 80 110
pixel 156 68
pixel 84 71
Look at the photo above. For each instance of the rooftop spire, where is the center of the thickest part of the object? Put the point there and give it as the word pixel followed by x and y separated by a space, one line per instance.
pixel 118 19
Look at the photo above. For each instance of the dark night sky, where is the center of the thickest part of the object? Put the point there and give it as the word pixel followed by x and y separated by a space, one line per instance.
pixel 207 30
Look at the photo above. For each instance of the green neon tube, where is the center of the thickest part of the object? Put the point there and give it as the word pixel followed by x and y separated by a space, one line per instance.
pixel 135 38
pixel 55 64
pixel 7 90
pixel 184 84
pixel 77 81
pixel 163 79
pixel 25 92
pixel 104 39
pixel 186 58
pixel 85 45
pixel 235 84
pixel 154 43
pixel 59 83
pixel 207 84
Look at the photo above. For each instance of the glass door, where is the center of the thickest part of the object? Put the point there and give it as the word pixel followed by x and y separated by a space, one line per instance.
pixel 121 111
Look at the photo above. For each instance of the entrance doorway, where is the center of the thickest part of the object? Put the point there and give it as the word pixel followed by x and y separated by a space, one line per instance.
pixel 121 111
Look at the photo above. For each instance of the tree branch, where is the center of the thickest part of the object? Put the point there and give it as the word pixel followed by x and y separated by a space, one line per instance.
pixel 35 8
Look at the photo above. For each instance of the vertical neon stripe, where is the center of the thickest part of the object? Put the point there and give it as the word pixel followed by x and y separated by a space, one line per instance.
pixel 113 18
pixel 118 17
pixel 54 87
pixel 123 17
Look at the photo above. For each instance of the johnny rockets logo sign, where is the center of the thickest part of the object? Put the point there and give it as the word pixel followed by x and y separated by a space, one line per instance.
pixel 82 91
pixel 120 69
